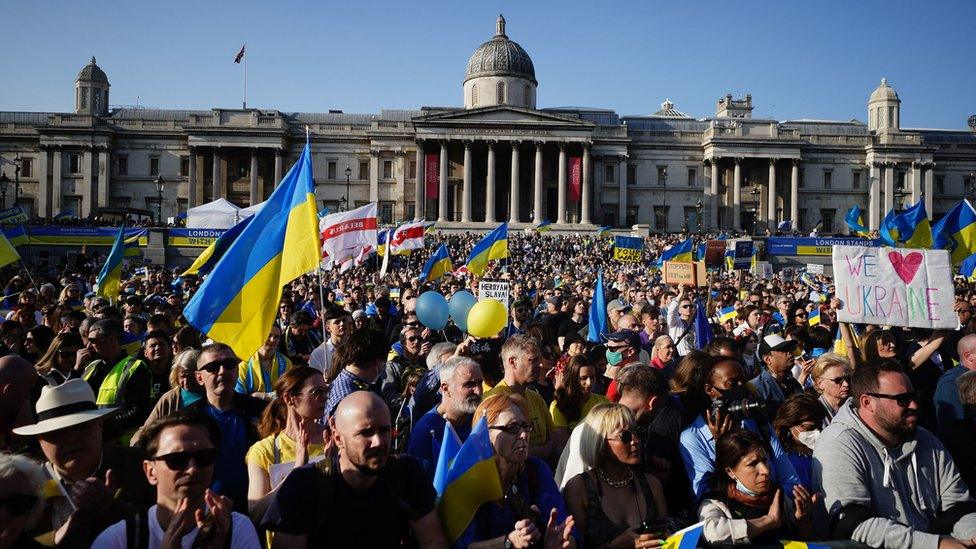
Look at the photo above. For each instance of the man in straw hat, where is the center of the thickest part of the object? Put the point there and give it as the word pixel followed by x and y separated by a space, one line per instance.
pixel 90 485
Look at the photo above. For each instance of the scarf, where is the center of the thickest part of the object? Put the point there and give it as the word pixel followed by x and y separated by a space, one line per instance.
pixel 745 506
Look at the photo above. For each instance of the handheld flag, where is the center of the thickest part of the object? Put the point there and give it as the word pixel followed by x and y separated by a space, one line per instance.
pixel 686 538
pixel 855 221
pixel 914 226
pixel 438 265
pixel 603 231
pixel 324 212
pixel 110 277
pixel 206 261
pixel 7 252
pixel 543 227
pixel 785 225
pixel 727 314
pixel 385 246
pixel 493 246
pixel 598 311
pixel 348 230
pixel 407 237
pixel 968 267
pixel 956 232
pixel 237 304
pixel 814 318
pixel 450 446
pixel 888 231
pixel 703 329
pixel 679 252
pixel 471 481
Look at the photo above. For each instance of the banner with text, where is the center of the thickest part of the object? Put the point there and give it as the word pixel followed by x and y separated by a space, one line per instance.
pixel 432 174
pixel 13 216
pixel 812 246
pixel 628 249
pixel 895 286
pixel 575 179
pixel 488 289
pixel 193 238
pixel 77 236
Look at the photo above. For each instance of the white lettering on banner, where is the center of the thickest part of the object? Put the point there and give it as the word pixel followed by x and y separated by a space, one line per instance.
pixel 493 290
pixel 895 287
pixel 348 230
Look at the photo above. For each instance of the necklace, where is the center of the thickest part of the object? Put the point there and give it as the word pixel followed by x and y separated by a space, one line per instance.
pixel 615 483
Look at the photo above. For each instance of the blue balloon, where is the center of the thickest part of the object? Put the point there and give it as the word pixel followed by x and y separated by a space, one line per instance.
pixel 432 310
pixel 461 302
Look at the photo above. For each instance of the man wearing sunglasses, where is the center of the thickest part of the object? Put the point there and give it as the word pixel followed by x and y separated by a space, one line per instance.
pixel 182 450
pixel 885 482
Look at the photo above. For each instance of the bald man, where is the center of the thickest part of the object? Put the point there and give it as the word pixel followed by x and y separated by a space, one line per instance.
pixel 948 406
pixel 338 501
pixel 17 378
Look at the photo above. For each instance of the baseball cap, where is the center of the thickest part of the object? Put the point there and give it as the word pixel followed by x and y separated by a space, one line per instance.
pixel 618 305
pixel 630 337
pixel 775 342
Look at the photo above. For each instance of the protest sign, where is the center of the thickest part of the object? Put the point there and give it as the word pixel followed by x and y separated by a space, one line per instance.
pixel 13 215
pixel 815 268
pixel 628 249
pixel 685 273
pixel 493 290
pixel 895 287
pixel 714 253
pixel 742 257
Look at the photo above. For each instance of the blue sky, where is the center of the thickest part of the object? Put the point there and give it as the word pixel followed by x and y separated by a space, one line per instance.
pixel 814 59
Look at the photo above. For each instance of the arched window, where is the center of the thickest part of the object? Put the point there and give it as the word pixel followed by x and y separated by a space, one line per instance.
pixel 527 96
pixel 501 93
pixel 474 95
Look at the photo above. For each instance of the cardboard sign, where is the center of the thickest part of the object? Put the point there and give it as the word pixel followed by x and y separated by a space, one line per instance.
pixel 815 268
pixel 13 215
pixel 715 253
pixel 685 273
pixel 895 287
pixel 743 254
pixel 493 290
pixel 628 249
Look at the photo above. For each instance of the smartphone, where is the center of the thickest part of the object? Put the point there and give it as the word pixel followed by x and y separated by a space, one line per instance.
pixel 655 528
pixel 805 357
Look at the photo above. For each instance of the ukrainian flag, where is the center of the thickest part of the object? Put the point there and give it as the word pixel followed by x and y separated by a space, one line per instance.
pixel 956 232
pixel 889 232
pixel 968 267
pixel 700 252
pixel 914 227
pixel 787 544
pixel 381 238
pixel 110 277
pixel 603 231
pixel 679 252
pixel 726 314
pixel 18 235
pixel 855 221
pixel 543 227
pixel 471 481
pixel 7 252
pixel 450 446
pixel 206 261
pixel 686 538
pixel 814 318
pixel 237 304
pixel 493 246
pixel 438 265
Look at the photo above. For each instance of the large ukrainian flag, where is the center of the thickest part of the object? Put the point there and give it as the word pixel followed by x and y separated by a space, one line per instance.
pixel 7 252
pixel 914 226
pixel 679 252
pixel 110 277
pixel 471 481
pixel 237 303
pixel 438 265
pixel 493 246
pixel 855 221
pixel 956 232
pixel 207 260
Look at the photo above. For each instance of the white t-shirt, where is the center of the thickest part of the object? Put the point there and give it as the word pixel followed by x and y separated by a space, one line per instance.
pixel 321 357
pixel 244 537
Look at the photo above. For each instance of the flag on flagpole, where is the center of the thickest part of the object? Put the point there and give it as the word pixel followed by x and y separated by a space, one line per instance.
pixel 386 255
pixel 438 265
pixel 348 230
pixel 679 252
pixel 450 446
pixel 855 221
pixel 110 277
pixel 471 481
pixel 493 246
pixel 956 232
pixel 543 227
pixel 603 231
pixel 598 311
pixel 914 226
pixel 240 55
pixel 8 254
pixel 888 231
pixel 703 329
pixel 407 237
pixel 206 261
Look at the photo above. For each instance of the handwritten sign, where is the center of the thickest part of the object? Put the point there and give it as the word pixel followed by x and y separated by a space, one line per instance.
pixel 493 290
pixel 628 249
pixel 685 273
pixel 895 286
pixel 815 268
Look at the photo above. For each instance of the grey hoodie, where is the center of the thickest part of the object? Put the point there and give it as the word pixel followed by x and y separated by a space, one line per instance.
pixel 905 486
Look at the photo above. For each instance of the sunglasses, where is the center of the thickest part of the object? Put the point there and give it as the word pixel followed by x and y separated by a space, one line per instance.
pixel 513 429
pixel 179 461
pixel 414 339
pixel 627 436
pixel 686 306
pixel 413 324
pixel 214 367
pixel 841 380
pixel 903 400
pixel 18 505
pixel 317 392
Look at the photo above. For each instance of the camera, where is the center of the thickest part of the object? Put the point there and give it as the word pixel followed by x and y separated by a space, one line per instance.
pixel 746 408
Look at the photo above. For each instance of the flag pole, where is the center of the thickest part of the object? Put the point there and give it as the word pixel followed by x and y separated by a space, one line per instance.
pixel 245 76
pixel 325 336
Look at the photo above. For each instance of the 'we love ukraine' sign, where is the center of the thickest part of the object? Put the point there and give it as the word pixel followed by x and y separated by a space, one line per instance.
pixel 895 287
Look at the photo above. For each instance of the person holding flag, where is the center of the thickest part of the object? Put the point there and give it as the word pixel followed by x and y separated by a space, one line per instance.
pixel 438 265
pixel 855 222
pixel 493 246
pixel 110 277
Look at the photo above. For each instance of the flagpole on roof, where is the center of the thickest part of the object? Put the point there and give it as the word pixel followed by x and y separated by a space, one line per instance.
pixel 245 75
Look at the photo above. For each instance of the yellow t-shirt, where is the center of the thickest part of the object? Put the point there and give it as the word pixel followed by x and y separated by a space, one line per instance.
pixel 559 420
pixel 262 452
pixel 538 412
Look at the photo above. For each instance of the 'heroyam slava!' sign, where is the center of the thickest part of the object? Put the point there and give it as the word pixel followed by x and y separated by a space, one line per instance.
pixel 895 286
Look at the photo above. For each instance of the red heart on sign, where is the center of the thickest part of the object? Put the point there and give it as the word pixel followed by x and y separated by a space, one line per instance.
pixel 906 266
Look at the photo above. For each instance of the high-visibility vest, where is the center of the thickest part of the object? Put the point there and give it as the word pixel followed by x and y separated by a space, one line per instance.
pixel 115 380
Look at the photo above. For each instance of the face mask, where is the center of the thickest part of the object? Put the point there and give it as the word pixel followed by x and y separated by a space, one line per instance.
pixel 808 438
pixel 742 488
pixel 734 394
pixel 614 357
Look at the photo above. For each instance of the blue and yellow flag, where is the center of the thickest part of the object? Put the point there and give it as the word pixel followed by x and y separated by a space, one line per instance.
pixel 598 321
pixel 7 252
pixel 450 446
pixel 381 238
pixel 438 265
pixel 727 314
pixel 855 221
pixel 686 538
pixel 543 227
pixel 206 261
pixel 679 252
pixel 814 317
pixel 956 232
pixel 110 277
pixel 18 235
pixel 968 267
pixel 493 246
pixel 603 231
pixel 914 227
pixel 889 232
pixel 238 302
pixel 471 481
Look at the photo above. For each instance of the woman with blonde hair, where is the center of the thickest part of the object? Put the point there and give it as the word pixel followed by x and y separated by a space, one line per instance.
pixel 56 364
pixel 184 390
pixel 832 380
pixel 21 491
pixel 614 505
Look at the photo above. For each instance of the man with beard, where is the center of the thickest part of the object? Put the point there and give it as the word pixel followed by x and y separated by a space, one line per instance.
pixel 887 483
pixel 461 388
pixel 364 497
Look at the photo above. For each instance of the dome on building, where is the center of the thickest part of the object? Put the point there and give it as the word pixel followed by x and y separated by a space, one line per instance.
pixel 92 73
pixel 883 92
pixel 668 111
pixel 500 56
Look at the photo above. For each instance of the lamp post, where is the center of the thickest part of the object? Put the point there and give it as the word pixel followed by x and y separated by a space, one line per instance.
pixel 17 162
pixel 699 208
pixel 160 186
pixel 972 187
pixel 755 191
pixel 347 197
pixel 4 182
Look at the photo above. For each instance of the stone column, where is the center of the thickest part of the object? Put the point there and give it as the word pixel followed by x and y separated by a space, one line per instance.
pixel 771 197
pixel 56 171
pixel 513 199
pixel 191 180
pixel 795 194
pixel 218 187
pixel 442 184
pixel 466 190
pixel 537 202
pixel 622 192
pixel 374 179
pixel 255 192
pixel 715 201
pixel 874 197
pixel 929 190
pixel 399 173
pixel 561 189
pixel 418 195
pixel 916 181
pixel 737 195
pixel 585 194
pixel 43 185
pixel 490 185
pixel 889 187
pixel 86 184
pixel 103 178
pixel 279 153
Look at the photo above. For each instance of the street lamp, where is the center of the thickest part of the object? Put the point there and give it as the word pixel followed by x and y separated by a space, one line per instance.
pixel 755 191
pixel 972 187
pixel 4 182
pixel 160 185
pixel 347 197
pixel 699 208
pixel 17 162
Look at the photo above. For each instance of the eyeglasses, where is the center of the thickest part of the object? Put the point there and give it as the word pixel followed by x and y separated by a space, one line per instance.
pixel 406 297
pixel 317 392
pixel 214 367
pixel 513 429
pixel 841 380
pixel 413 324
pixel 686 306
pixel 414 339
pixel 18 505
pixel 627 436
pixel 902 400
pixel 179 461
pixel 800 315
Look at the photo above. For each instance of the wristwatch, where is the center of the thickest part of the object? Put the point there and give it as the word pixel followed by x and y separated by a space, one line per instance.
pixel 508 542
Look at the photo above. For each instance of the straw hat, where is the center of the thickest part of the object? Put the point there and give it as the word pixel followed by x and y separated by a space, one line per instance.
pixel 62 406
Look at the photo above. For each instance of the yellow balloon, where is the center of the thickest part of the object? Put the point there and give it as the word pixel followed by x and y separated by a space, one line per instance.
pixel 487 318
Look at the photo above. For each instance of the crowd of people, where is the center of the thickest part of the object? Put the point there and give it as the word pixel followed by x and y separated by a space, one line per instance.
pixel 123 426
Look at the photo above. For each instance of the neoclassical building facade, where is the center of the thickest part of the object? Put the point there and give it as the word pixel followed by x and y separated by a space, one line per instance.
pixel 499 157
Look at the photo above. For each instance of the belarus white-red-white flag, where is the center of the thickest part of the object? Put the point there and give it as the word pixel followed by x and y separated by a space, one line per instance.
pixel 348 230
pixel 406 237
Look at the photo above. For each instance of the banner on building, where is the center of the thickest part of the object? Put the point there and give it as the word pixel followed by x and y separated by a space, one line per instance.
pixel 82 236
pixel 812 246
pixel 193 238
pixel 432 175
pixel 14 215
pixel 628 249
pixel 575 178
pixel 894 287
